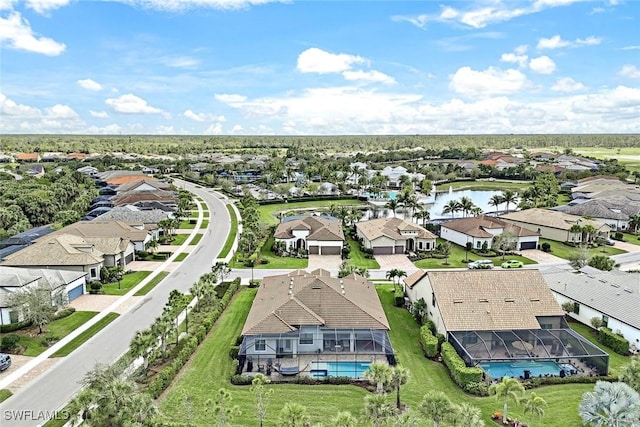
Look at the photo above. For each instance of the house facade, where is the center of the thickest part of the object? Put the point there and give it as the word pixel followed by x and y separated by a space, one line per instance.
pixel 387 236
pixel 482 229
pixel 319 235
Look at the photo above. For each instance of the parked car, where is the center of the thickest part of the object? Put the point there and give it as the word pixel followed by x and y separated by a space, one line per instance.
pixel 512 263
pixel 5 361
pixel 481 264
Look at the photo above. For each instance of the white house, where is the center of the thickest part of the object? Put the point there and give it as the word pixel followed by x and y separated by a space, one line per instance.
pixel 481 229
pixel 320 235
pixel 387 236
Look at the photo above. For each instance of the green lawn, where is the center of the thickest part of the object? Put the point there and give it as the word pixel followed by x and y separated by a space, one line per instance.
pixel 84 336
pixel 204 223
pixel 179 239
pixel 561 250
pixel 616 361
pixel 156 257
pixel 128 282
pixel 457 259
pixel 631 238
pixel 357 258
pixel 5 394
pixel 232 233
pixel 482 185
pixel 54 332
pixel 210 367
pixel 627 156
pixel 279 261
pixel 152 284
pixel 268 213
pixel 196 239
pixel 181 256
pixel 186 225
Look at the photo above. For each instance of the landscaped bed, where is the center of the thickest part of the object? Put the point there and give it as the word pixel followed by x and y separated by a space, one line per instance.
pixel 268 213
pixel 128 282
pixel 458 256
pixel 562 250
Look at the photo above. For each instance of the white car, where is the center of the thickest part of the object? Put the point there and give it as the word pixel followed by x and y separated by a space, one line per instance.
pixel 481 264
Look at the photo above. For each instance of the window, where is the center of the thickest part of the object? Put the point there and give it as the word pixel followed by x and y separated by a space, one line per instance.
pixel 427 245
pixel 433 299
pixel 94 273
pixel 478 245
pixel 260 345
pixel 469 339
pixel 306 338
pixel 605 320
pixel 546 325
pixel 419 245
pixel 576 308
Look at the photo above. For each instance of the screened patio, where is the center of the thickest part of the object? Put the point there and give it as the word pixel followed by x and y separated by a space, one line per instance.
pixel 558 345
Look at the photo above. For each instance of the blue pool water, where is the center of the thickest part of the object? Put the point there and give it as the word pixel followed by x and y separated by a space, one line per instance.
pixel 516 369
pixel 338 369
pixel 391 195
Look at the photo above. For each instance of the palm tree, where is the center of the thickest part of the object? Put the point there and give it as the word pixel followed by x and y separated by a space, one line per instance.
pixel 630 373
pixel 451 207
pixel 399 377
pixel 465 415
pixel 162 327
pixel 393 205
pixel 343 419
pixel 152 246
pixel 476 211
pixel 634 222
pixel 466 204
pixel 142 345
pixel 507 389
pixel 575 229
pixel 391 275
pixel 610 404
pixel 534 405
pixel 400 274
pixel 377 409
pixel 378 373
pixel 508 197
pixel 589 230
pixel 424 215
pixel 293 414
pixel 436 406
pixel 496 200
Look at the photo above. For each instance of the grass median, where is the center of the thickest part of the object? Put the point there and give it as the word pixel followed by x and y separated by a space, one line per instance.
pixel 86 335
pixel 232 233
pixel 152 284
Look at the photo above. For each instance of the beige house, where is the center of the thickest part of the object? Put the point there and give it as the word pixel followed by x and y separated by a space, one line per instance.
pixel 483 228
pixel 319 235
pixel 554 225
pixel 386 236
pixel 137 234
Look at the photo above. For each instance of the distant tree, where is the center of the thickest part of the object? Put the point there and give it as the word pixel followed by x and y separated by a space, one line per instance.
pixel 634 221
pixel 610 404
pixel 508 197
pixel 377 409
pixel 451 207
pixel 496 200
pixel 380 374
pixel 399 377
pixel 464 415
pixel 534 405
pixel 143 344
pixel 505 242
pixel 222 408
pixel 262 395
pixel 393 205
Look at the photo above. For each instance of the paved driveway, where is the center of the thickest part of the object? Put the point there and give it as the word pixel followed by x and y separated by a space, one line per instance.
pixel 401 262
pixel 626 246
pixel 541 257
pixel 326 262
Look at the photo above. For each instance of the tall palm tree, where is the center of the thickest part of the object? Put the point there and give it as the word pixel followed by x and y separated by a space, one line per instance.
pixel 507 389
pixel 435 406
pixel 142 345
pixel 451 207
pixel 378 373
pixel 534 405
pixel 465 415
pixel 508 197
pixel 610 404
pixel 496 200
pixel 391 275
pixel 466 205
pixel 162 327
pixel 377 409
pixel 424 215
pixel 589 231
pixel 399 377
pixel 575 229
pixel 393 205
pixel 634 222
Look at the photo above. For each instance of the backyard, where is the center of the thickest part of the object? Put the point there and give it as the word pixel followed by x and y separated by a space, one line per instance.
pixel 268 213
pixel 210 368
pixel 561 250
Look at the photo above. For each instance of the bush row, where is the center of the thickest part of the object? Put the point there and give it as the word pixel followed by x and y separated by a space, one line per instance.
pixel 200 325
pixel 461 374
pixel 246 380
pixel 429 342
pixel 64 313
pixel 614 341
pixel 14 326
pixel 574 379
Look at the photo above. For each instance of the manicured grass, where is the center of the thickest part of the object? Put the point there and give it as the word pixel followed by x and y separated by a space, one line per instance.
pixel 268 213
pixel 627 156
pixel 196 239
pixel 84 337
pixel 55 331
pixel 232 233
pixel 561 250
pixel 5 394
pixel 179 239
pixel 152 284
pixel 128 282
pixel 181 256
pixel 210 368
pixel 616 361
pixel 457 259
pixel 357 258
pixel 206 214
pixel 631 238
pixel 157 257
pixel 278 261
pixel 482 185
pixel 204 223
pixel 563 199
pixel 186 225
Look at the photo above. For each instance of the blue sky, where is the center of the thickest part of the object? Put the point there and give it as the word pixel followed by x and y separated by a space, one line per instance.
pixel 319 67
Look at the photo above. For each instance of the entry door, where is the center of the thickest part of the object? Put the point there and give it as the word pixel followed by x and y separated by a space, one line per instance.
pixel 284 346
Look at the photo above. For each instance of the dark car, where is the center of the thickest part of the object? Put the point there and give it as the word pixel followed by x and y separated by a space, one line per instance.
pixel 5 361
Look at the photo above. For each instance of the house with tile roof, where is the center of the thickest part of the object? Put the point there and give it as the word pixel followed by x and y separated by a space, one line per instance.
pixel 136 217
pixel 554 225
pixel 28 157
pixel 168 198
pixel 308 316
pixel 501 316
pixel 483 228
pixel 113 238
pixel 147 184
pixel 613 211
pixel 320 235
pixel 387 236
pixel 612 296
pixel 70 284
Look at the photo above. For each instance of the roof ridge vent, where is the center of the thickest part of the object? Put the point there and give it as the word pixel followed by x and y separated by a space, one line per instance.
pixel 628 290
pixel 509 300
pixel 615 285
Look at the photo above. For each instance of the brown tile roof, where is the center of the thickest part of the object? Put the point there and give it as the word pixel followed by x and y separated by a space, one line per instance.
pixel 319 229
pixel 477 226
pixel 154 182
pixel 492 299
pixel 105 230
pixel 126 179
pixel 390 227
pixel 28 156
pixel 553 219
pixel 57 250
pixel 414 278
pixel 283 303
pixel 132 197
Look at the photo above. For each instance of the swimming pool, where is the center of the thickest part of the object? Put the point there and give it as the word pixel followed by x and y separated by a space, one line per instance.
pixel 516 369
pixel 338 369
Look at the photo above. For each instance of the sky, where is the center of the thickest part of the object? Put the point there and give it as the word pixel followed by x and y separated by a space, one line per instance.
pixel 263 67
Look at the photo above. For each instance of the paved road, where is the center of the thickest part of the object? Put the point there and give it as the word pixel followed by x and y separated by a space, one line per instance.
pixel 53 389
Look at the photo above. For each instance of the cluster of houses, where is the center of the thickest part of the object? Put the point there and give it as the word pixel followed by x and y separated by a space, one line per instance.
pixel 123 220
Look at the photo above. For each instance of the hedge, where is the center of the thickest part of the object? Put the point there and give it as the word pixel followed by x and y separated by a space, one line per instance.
pixel 614 341
pixel 200 325
pixel 15 326
pixel 573 379
pixel 461 374
pixel 428 341
pixel 398 298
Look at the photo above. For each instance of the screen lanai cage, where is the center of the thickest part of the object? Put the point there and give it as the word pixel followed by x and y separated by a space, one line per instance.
pixel 557 345
pixel 321 353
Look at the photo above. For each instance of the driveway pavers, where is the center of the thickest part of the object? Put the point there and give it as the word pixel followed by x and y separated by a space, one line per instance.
pixel 541 257
pixel 90 302
pixel 325 262
pixel 401 262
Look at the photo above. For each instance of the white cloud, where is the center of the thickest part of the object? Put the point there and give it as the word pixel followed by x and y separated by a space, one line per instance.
pixel 9 107
pixel 165 130
pixel 89 84
pixel 492 81
pixel 368 76
pixel 567 84
pixel 59 111
pixel 7 4
pixel 99 114
pixel 228 98
pixel 44 6
pixel 16 33
pixel 180 62
pixel 521 50
pixel 632 47
pixel 203 117
pixel 542 65
pixel 131 104
pixel 237 129
pixel 214 129
pixel 589 41
pixel 630 71
pixel 556 42
pixel 314 60
pixel 180 5
pixel 521 60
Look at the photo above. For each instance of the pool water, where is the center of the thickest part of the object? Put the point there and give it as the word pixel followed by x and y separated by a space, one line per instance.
pixel 338 369
pixel 516 369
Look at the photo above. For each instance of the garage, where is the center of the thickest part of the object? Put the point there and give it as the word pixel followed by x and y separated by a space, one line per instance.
pixel 75 292
pixel 129 258
pixel 383 250
pixel 528 245
pixel 314 250
pixel 330 250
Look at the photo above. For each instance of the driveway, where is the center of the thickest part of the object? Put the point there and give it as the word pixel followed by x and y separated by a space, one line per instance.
pixel 626 246
pixel 541 257
pixel 151 265
pixel 326 262
pixel 90 302
pixel 401 262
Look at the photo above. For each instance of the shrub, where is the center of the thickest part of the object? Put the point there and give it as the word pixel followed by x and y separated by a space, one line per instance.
pixel 615 342
pixel 142 254
pixel 64 313
pixel 428 341
pixel 479 389
pixel 432 326
pixel 14 326
pixel 337 380
pixel 234 351
pixel 573 379
pixel 241 379
pixel 461 374
pixel 618 236
pixel 398 300
pixel 546 247
pixel 9 342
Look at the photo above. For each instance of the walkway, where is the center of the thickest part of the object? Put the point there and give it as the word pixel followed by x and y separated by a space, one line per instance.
pixel 325 262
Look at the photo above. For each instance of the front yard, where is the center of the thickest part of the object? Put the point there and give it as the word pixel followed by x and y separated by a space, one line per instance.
pixel 128 282
pixel 561 250
pixel 357 257
pixel 457 259
pixel 273 261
